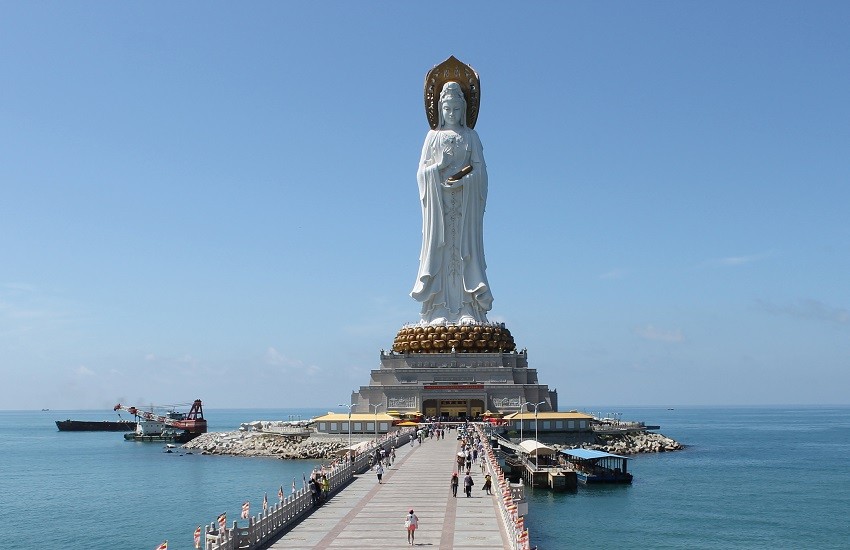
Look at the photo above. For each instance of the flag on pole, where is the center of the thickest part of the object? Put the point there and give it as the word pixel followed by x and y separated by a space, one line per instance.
pixel 246 509
pixel 265 502
pixel 222 521
pixel 280 493
pixel 198 537
pixel 163 546
pixel 293 486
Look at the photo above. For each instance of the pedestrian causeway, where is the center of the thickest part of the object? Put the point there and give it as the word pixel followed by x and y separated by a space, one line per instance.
pixel 366 514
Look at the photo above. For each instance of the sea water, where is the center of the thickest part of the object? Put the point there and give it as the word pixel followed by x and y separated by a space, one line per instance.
pixel 775 477
pixel 756 477
pixel 94 490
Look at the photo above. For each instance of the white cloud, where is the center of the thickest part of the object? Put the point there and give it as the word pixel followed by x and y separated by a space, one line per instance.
pixel 84 371
pixel 809 309
pixel 275 358
pixel 188 359
pixel 732 261
pixel 649 332
pixel 616 273
pixel 22 287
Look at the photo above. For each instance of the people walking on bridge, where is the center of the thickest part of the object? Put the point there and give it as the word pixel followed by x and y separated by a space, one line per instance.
pixel 467 484
pixel 326 486
pixel 454 483
pixel 379 469
pixel 411 523
pixel 314 491
pixel 488 484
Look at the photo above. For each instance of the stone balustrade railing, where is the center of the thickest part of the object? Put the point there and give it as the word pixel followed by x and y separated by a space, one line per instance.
pixel 266 525
pixel 513 522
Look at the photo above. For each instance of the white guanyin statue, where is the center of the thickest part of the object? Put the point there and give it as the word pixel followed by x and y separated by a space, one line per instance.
pixel 452 280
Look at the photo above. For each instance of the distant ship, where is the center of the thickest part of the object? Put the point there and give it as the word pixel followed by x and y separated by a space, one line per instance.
pixel 95 425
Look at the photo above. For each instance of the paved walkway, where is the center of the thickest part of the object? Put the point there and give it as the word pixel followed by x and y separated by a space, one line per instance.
pixel 371 516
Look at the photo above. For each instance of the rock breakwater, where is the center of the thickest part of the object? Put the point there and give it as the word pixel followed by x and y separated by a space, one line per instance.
pixel 244 443
pixel 635 443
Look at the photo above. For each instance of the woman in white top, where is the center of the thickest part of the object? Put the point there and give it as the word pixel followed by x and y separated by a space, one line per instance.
pixel 411 522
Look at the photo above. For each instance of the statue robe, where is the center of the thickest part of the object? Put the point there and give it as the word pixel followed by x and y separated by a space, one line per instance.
pixel 452 282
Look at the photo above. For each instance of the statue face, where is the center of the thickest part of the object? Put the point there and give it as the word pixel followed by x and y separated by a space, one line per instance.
pixel 452 111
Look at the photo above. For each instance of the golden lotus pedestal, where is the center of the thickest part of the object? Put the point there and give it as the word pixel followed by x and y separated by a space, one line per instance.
pixel 472 338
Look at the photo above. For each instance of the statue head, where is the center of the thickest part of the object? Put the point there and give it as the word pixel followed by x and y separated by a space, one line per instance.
pixel 452 105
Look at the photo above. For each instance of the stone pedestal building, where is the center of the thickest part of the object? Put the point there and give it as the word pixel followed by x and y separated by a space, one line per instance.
pixel 454 384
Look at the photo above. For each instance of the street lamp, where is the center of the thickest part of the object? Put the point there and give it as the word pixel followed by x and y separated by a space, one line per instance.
pixel 537 451
pixel 349 423
pixel 376 418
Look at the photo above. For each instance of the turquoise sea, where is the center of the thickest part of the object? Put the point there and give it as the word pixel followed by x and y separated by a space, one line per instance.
pixel 754 477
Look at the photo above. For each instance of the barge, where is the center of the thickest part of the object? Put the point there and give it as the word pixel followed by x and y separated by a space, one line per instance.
pixel 95 425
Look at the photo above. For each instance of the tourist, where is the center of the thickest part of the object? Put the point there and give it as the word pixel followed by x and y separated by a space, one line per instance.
pixel 488 484
pixel 379 469
pixel 454 484
pixel 411 522
pixel 467 484
pixel 326 486
pixel 314 491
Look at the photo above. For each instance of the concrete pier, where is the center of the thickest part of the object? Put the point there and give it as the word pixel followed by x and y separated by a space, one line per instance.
pixel 368 515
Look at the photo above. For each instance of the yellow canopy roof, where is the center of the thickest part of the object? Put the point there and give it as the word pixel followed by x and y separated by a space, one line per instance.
pixel 355 417
pixel 548 415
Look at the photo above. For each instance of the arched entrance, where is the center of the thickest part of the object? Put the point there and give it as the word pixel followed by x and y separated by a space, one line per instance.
pixel 453 408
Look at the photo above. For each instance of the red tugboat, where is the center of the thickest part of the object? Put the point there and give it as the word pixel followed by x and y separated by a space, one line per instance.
pixel 172 426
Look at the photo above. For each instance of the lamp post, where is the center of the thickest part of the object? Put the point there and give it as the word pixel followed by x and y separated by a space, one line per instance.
pixel 521 421
pixel 349 423
pixel 376 418
pixel 537 450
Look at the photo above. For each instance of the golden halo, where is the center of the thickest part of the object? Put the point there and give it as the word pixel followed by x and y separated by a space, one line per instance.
pixel 452 70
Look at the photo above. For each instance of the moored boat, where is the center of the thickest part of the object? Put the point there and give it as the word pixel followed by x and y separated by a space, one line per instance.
pixel 597 466
pixel 173 426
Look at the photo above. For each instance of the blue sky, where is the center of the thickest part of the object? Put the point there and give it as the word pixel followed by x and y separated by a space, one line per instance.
pixel 218 201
